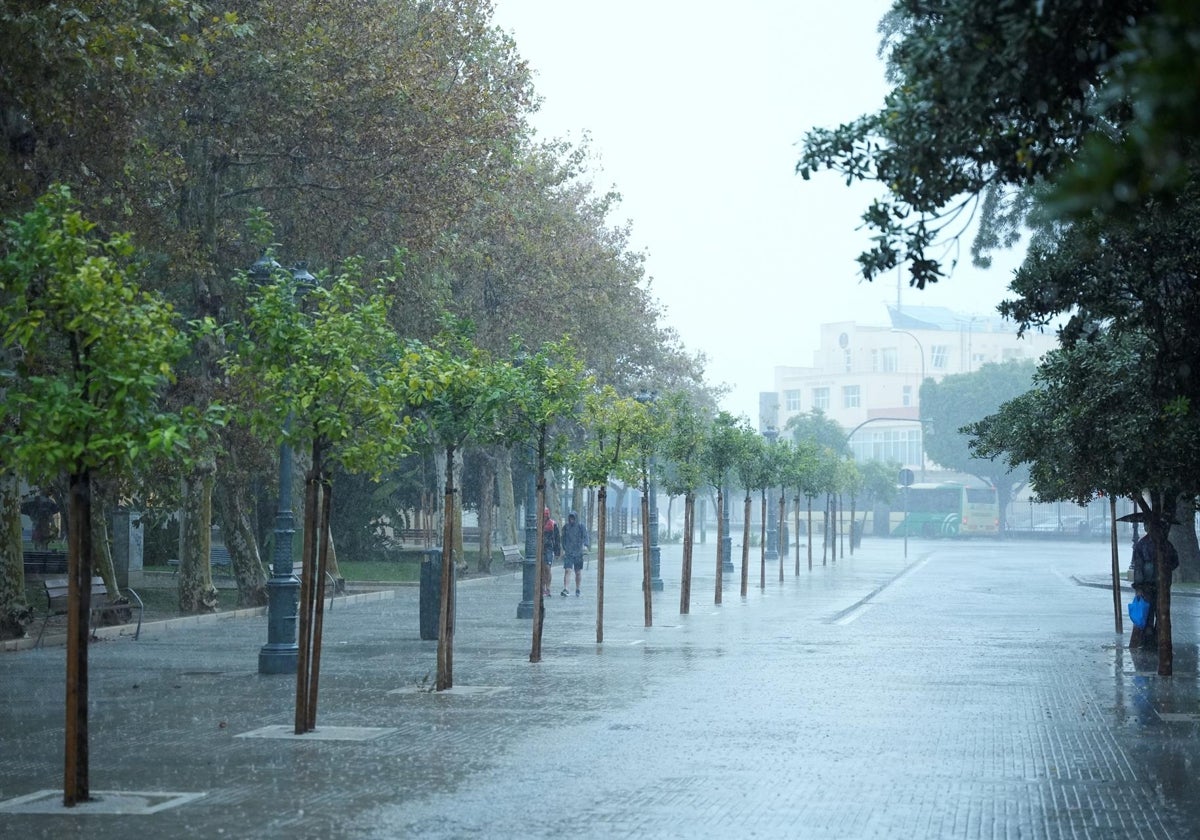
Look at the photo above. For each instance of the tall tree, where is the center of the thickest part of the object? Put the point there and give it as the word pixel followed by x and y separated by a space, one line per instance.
pixel 1094 424
pixel 957 400
pixel 987 96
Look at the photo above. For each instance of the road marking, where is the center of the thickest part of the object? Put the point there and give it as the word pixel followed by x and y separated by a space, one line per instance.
pixel 855 610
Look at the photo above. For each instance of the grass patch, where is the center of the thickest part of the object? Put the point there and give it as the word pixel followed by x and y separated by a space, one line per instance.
pixel 404 571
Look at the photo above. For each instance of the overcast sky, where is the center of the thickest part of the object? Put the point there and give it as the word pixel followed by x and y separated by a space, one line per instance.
pixel 695 111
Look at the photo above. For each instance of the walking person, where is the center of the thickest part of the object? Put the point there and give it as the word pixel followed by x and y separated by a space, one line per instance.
pixel 551 549
pixel 574 543
pixel 1145 583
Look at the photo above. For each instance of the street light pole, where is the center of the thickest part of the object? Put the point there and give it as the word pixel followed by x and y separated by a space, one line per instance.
pixel 529 565
pixel 656 582
pixel 281 652
pixel 920 347
pixel 726 538
pixel 770 433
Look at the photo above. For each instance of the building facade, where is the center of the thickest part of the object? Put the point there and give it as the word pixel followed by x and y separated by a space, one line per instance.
pixel 868 378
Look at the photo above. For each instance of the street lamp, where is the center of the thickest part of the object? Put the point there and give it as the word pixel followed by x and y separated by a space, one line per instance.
pixel 529 568
pixel 279 655
pixel 726 538
pixel 771 433
pixel 529 565
pixel 656 583
pixel 920 347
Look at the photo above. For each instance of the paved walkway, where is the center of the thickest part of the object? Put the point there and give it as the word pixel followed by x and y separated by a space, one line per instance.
pixel 968 690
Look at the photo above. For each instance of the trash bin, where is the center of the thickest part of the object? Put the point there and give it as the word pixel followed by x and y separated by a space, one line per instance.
pixel 431 592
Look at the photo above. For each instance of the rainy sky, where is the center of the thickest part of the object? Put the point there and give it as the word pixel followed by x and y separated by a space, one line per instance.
pixel 694 111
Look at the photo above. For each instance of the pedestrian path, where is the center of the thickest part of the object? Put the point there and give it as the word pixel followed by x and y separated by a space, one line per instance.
pixel 966 690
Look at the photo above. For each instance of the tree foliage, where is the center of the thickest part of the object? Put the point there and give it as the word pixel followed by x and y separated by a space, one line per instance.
pixel 987 95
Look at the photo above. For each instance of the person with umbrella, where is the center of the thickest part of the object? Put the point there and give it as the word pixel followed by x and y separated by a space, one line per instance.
pixel 1145 580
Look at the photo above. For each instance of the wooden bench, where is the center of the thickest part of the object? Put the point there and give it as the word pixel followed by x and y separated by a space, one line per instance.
pixel 56 604
pixel 44 562
pixel 514 556
pixel 218 558
pixel 629 541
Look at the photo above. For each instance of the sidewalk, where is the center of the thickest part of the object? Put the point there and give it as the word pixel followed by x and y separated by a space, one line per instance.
pixel 968 690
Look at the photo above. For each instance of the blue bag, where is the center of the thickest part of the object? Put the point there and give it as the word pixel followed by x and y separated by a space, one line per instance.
pixel 1139 610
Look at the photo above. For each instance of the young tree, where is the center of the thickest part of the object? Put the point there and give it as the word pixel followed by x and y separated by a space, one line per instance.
pixel 91 354
pixel 797 469
pixel 609 423
pixel 548 385
pixel 460 396
pixel 683 446
pixel 752 472
pixel 959 399
pixel 722 452
pixel 323 366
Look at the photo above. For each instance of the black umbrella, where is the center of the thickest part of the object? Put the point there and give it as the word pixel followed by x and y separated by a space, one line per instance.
pixel 1142 516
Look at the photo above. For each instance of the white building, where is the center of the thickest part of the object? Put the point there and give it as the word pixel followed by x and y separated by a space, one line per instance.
pixel 868 378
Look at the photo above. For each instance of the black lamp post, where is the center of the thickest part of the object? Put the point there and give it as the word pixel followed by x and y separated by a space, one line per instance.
pixel 772 553
pixel 656 582
pixel 726 537
pixel 279 655
pixel 529 566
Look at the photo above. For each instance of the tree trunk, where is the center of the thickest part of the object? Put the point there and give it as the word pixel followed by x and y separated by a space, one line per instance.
pixel 487 486
pixel 196 591
pixel 231 499
pixel 445 649
pixel 15 612
pixel 508 502
pixel 685 578
pixel 79 566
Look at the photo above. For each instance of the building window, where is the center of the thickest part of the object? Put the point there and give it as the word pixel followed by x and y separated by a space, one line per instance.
pixel 938 355
pixel 889 360
pixel 1012 353
pixel 906 397
pixel 821 398
pixel 849 360
pixel 791 400
pixel 900 445
pixel 850 396
pixel 874 361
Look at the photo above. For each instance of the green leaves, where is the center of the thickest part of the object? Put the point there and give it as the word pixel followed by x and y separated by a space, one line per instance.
pixel 92 352
pixel 328 357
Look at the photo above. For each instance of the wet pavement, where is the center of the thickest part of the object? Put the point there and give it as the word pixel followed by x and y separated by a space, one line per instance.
pixel 968 690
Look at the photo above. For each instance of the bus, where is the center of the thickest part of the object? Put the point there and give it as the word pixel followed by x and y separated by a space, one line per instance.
pixel 947 509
